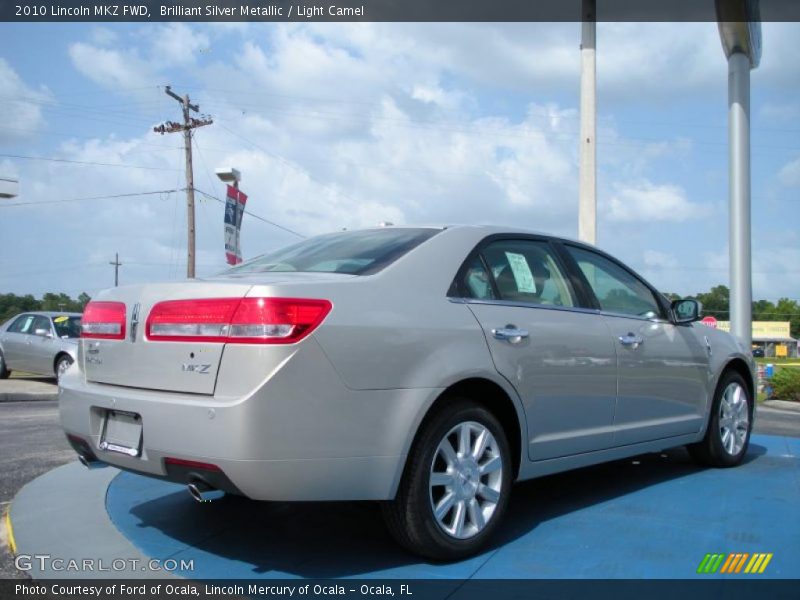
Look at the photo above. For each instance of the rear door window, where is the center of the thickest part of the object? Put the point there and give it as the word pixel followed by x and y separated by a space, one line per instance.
pixel 523 271
pixel 41 323
pixel 477 282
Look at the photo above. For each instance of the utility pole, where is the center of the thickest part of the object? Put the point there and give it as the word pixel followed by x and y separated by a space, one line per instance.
pixel 587 195
pixel 116 265
pixel 188 124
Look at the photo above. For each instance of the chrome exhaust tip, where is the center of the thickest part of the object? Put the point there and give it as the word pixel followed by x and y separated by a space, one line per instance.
pixel 90 463
pixel 202 492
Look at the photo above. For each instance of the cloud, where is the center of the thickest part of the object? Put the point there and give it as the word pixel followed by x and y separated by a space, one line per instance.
pixel 789 175
pixel 662 58
pixel 780 112
pixel 775 272
pixel 20 104
pixel 656 259
pixel 177 44
pixel 350 125
pixel 645 201
pixel 103 36
pixel 111 68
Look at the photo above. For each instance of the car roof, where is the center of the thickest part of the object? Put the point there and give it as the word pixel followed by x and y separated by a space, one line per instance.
pixel 50 313
pixel 485 230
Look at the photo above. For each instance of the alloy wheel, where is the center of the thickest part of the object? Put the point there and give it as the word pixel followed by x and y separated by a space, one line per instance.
pixel 734 418
pixel 62 367
pixel 465 480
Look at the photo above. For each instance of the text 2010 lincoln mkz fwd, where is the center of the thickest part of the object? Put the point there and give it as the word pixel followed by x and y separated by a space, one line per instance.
pixel 426 368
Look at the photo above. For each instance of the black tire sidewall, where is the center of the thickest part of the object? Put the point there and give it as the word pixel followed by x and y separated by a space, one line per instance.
pixel 718 452
pixel 419 491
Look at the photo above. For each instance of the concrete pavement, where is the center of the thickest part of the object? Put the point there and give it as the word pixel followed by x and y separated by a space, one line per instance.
pixel 21 388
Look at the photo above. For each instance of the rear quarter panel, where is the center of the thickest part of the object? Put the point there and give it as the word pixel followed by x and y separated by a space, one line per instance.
pixel 398 329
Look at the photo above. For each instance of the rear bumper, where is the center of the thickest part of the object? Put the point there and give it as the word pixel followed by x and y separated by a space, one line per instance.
pixel 302 435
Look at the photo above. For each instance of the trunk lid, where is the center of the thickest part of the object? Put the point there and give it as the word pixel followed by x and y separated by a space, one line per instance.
pixel 189 367
pixel 185 366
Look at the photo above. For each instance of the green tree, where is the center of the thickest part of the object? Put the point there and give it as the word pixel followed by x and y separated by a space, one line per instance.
pixel 12 304
pixel 716 302
pixel 83 300
pixel 788 310
pixel 763 310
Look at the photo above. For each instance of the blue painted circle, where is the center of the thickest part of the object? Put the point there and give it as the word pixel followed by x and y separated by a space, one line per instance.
pixel 655 516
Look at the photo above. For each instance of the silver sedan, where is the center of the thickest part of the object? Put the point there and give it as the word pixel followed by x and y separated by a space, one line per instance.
pixel 45 343
pixel 427 368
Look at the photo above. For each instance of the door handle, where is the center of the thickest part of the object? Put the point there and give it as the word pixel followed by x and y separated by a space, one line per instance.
pixel 510 333
pixel 631 340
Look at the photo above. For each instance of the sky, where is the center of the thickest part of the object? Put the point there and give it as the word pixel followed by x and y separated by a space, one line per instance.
pixel 337 125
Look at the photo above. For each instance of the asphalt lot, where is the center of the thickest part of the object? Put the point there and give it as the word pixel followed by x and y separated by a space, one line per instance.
pixel 32 443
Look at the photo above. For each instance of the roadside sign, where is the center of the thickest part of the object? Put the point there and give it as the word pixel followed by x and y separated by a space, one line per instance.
pixel 710 322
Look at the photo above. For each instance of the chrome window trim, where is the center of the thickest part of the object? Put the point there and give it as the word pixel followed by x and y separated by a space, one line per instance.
pixel 512 304
pixel 578 309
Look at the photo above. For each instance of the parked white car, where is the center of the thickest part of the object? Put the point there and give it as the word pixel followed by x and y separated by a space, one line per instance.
pixel 45 343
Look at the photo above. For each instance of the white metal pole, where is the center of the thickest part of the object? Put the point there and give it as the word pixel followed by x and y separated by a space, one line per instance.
pixel 741 296
pixel 587 198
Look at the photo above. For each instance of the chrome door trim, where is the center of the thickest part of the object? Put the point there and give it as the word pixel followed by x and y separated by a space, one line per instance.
pixel 578 309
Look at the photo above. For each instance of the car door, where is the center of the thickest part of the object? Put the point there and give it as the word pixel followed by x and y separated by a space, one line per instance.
pixel 556 354
pixel 42 344
pixel 663 369
pixel 15 343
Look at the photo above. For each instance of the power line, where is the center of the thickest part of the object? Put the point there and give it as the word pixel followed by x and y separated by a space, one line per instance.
pixel 65 134
pixel 509 131
pixel 543 111
pixel 287 163
pixel 84 162
pixel 108 197
pixel 255 216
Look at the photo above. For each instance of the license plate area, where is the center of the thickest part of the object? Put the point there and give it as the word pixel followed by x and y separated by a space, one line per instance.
pixel 122 433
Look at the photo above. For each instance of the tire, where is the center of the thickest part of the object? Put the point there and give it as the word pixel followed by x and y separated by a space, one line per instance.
pixel 730 423
pixel 62 364
pixel 4 372
pixel 478 489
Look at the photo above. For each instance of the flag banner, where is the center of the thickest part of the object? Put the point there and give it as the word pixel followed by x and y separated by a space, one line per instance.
pixel 235 201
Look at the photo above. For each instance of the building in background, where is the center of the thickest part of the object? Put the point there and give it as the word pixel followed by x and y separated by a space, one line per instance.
pixel 773 336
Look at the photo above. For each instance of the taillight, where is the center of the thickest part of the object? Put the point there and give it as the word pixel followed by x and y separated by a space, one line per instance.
pixel 236 320
pixel 103 321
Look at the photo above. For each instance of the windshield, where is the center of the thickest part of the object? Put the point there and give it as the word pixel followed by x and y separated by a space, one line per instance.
pixel 67 327
pixel 347 252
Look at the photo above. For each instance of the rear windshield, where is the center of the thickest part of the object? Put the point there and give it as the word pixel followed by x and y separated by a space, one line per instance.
pixel 347 252
pixel 67 327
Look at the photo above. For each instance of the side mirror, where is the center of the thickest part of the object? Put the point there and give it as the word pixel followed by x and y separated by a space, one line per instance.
pixel 687 310
pixel 43 333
